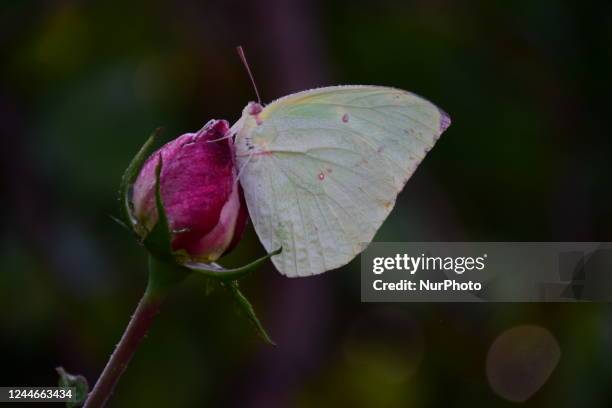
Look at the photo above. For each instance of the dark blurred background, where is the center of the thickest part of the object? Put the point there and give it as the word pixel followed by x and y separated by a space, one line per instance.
pixel 527 158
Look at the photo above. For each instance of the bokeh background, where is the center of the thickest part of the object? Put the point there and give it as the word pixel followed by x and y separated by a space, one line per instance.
pixel 83 83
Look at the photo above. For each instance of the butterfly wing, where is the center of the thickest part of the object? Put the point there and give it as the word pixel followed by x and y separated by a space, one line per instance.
pixel 321 169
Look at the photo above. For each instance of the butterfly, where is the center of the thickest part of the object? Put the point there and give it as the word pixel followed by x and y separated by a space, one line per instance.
pixel 321 169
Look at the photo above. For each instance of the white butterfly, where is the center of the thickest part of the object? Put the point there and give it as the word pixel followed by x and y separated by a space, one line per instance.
pixel 321 169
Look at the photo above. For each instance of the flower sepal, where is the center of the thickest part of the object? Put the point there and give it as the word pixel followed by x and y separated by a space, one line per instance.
pixel 245 307
pixel 158 241
pixel 127 182
pixel 217 272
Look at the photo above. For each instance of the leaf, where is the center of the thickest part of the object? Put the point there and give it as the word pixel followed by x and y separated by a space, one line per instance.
pixel 158 240
pixel 246 307
pixel 129 177
pixel 216 274
pixel 220 273
pixel 78 382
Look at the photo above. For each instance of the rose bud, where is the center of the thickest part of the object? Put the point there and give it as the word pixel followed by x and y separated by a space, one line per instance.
pixel 199 187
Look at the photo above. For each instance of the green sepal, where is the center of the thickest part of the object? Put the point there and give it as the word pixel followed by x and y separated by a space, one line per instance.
pixel 217 275
pixel 158 240
pixel 220 273
pixel 129 177
pixel 245 306
pixel 78 382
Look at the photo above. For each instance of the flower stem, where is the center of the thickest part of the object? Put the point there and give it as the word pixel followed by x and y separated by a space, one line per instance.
pixel 161 278
pixel 139 325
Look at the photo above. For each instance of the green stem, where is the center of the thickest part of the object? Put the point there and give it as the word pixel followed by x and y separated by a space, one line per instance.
pixel 161 278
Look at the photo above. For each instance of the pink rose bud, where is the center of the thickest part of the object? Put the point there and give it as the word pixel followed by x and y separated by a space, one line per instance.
pixel 200 191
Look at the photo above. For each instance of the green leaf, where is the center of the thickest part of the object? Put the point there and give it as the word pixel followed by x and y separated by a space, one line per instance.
pixel 158 240
pixel 220 273
pixel 129 177
pixel 78 382
pixel 246 307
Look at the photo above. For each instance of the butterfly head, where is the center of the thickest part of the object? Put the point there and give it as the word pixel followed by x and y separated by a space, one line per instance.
pixel 253 110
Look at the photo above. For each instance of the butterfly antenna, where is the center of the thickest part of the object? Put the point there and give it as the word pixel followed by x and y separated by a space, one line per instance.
pixel 246 65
